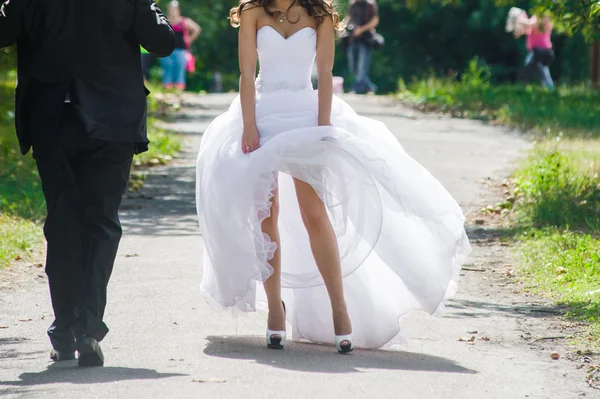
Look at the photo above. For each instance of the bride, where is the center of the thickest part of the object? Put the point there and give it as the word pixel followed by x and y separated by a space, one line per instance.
pixel 309 210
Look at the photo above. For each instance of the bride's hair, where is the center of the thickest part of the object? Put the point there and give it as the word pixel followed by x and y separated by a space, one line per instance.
pixel 318 9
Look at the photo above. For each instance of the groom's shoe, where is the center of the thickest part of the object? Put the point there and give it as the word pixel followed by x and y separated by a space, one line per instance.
pixel 90 354
pixel 61 356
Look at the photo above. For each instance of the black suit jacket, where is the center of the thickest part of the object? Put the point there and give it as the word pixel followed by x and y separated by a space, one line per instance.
pixel 88 50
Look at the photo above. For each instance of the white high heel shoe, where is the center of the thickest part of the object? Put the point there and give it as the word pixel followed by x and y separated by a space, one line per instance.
pixel 344 343
pixel 276 339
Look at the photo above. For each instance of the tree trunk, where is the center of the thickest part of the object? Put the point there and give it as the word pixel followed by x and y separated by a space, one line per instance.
pixel 595 64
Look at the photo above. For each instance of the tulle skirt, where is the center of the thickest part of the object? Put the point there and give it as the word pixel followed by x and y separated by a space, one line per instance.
pixel 400 234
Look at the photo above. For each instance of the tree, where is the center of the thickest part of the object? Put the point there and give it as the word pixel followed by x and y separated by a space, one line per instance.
pixel 573 16
pixel 570 16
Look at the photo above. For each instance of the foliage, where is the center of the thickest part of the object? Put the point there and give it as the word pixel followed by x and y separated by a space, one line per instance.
pixel 571 16
pixel 437 36
pixel 20 198
pixel 560 190
pixel 440 36
pixel 163 147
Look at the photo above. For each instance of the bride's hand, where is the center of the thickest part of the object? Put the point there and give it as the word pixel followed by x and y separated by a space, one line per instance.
pixel 250 139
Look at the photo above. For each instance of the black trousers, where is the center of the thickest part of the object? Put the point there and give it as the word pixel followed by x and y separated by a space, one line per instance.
pixel 83 181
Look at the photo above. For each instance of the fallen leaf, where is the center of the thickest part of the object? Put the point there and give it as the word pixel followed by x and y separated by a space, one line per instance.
pixel 474 269
pixel 132 255
pixel 560 270
pixel 479 221
pixel 471 332
pixel 484 338
pixel 25 320
pixel 3 327
pixel 554 356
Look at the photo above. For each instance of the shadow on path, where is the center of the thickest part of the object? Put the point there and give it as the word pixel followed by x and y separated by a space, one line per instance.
pixel 466 309
pixel 10 348
pixel 69 372
pixel 166 205
pixel 325 359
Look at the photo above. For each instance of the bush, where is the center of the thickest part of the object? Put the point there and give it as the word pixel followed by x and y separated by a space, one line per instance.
pixel 557 194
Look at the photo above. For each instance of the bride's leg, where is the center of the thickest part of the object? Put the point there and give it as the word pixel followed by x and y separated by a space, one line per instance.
pixel 272 286
pixel 325 250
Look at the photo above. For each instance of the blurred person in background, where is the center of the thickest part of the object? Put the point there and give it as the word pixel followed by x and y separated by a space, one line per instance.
pixel 538 34
pixel 359 41
pixel 181 60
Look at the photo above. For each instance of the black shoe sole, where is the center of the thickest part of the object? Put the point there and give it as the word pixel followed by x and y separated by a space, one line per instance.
pixel 61 356
pixel 90 354
pixel 345 349
pixel 275 344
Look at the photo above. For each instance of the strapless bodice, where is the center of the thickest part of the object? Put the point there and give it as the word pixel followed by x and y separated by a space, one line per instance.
pixel 285 64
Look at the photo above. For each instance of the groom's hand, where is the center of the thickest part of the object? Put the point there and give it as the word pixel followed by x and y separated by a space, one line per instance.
pixel 152 29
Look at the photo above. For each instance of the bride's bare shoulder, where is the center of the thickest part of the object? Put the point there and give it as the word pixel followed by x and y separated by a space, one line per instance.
pixel 248 13
pixel 253 11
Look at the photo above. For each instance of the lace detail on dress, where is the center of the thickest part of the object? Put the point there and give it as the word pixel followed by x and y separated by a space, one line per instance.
pixel 269 87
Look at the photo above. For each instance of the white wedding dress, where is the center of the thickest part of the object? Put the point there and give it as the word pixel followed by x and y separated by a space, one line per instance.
pixel 400 233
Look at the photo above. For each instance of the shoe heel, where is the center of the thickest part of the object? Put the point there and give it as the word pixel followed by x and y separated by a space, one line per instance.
pixel 276 339
pixel 90 353
pixel 344 343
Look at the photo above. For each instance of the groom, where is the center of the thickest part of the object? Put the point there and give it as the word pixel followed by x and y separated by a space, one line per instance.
pixel 81 106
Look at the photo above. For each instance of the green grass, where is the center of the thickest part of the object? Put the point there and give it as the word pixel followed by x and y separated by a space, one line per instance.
pixel 568 265
pixel 573 111
pixel 565 266
pixel 163 146
pixel 555 201
pixel 559 206
pixel 22 206
pixel 560 187
pixel 18 238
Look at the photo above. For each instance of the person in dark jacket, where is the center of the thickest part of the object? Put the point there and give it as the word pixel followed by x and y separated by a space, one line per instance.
pixel 361 20
pixel 81 106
